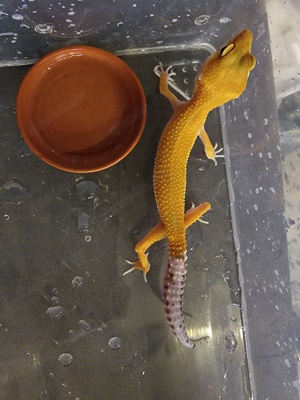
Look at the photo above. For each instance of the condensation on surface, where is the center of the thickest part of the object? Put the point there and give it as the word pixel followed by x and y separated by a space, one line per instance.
pixel 65 236
pixel 285 34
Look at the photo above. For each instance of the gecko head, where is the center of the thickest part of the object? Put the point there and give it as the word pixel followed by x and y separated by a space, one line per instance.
pixel 225 73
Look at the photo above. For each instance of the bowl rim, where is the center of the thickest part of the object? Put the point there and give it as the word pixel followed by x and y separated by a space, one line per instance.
pixel 51 58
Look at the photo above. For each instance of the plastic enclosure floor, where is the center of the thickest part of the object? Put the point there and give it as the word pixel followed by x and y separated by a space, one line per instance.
pixel 64 240
pixel 71 326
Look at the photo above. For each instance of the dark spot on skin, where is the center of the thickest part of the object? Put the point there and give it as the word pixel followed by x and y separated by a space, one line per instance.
pixel 166 287
pixel 168 311
pixel 167 304
pixel 187 340
pixel 180 326
pixel 169 319
pixel 173 305
pixel 172 327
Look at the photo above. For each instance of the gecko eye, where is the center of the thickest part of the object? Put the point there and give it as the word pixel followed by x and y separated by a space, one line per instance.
pixel 225 50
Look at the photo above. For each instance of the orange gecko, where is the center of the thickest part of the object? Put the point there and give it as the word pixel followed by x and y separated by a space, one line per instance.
pixel 223 77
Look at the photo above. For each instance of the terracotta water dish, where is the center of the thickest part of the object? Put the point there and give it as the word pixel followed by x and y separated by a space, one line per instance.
pixel 81 109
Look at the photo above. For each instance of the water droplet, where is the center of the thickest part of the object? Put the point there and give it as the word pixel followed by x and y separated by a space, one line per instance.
pixel 77 282
pixel 86 189
pixel 17 17
pixel 95 203
pixel 13 192
pixel 83 220
pixel 25 26
pixel 231 342
pixel 88 238
pixel 6 34
pixel 66 359
pixel 225 20
pixel 201 20
pixel 44 29
pixel 6 217
pixel 288 222
pixel 55 312
pixel 276 245
pixel 115 343
pixel 54 300
pixel 287 363
pixel 84 325
pixel 3 15
pixel 100 330
pixel 144 373
pixel 54 291
pixel 23 7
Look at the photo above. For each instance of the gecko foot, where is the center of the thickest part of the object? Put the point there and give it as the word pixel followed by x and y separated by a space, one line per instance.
pixel 216 154
pixel 199 219
pixel 159 71
pixel 137 265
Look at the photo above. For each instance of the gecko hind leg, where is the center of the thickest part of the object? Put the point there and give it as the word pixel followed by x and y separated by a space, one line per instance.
pixel 155 235
pixel 158 233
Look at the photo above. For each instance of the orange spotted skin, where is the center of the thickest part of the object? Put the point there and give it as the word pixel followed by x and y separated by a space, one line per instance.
pixel 169 177
pixel 221 79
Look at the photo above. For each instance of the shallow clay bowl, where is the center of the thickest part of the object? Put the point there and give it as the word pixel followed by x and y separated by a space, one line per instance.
pixel 81 109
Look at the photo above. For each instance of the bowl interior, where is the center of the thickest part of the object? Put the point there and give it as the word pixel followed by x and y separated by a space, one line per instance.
pixel 81 109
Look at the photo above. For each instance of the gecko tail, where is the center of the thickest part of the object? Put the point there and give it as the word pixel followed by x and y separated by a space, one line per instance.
pixel 173 289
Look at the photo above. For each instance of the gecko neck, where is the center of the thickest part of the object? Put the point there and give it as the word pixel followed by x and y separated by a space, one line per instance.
pixel 206 99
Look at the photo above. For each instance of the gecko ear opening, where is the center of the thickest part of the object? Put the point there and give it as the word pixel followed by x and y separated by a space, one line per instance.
pixel 225 50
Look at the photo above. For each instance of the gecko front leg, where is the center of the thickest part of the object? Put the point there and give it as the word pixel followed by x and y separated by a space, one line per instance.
pixel 166 79
pixel 211 151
